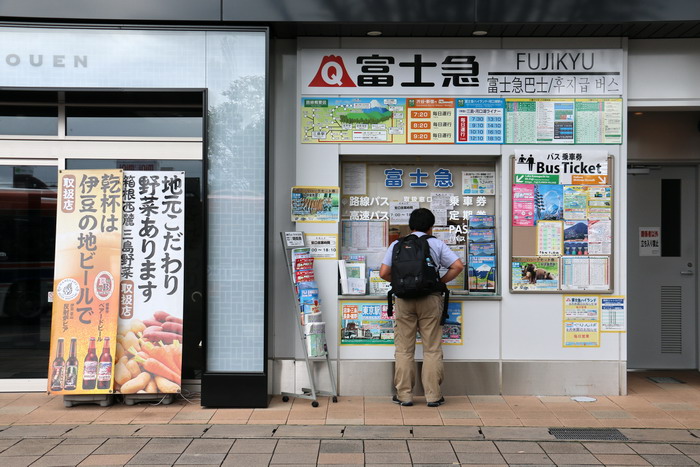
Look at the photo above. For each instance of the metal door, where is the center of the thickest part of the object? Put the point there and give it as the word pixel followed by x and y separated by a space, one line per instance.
pixel 661 283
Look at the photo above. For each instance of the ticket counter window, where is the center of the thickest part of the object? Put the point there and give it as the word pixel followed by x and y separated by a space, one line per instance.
pixel 376 202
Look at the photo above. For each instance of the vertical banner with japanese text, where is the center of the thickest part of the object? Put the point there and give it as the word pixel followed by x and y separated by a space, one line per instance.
pixel 86 281
pixel 149 349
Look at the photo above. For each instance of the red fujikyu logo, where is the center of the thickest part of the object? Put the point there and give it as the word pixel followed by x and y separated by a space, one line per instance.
pixel 332 73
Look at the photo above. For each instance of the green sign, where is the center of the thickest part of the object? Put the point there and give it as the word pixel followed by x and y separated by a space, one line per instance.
pixel 536 179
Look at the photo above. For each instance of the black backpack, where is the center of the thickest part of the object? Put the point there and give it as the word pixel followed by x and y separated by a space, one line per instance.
pixel 414 274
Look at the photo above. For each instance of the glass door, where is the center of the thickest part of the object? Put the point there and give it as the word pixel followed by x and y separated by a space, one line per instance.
pixel 27 237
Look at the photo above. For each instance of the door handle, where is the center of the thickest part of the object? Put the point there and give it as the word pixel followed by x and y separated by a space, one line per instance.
pixel 687 273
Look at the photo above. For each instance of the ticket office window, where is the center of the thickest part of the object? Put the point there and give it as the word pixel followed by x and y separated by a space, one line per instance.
pixel 378 197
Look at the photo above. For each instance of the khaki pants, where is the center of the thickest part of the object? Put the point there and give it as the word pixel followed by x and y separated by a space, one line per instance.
pixel 420 314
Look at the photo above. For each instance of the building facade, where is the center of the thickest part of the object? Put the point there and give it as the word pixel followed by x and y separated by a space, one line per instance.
pixel 244 98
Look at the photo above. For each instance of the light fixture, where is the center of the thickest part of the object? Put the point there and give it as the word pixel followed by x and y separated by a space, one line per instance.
pixel 479 33
pixel 638 113
pixel 374 33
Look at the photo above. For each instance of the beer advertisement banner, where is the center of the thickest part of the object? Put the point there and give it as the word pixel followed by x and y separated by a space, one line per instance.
pixel 149 340
pixel 86 281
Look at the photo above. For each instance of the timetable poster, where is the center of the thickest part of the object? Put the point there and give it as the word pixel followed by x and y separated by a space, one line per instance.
pixel 353 120
pixel 549 238
pixel 480 121
pixel 431 120
pixel 598 121
pixel 540 121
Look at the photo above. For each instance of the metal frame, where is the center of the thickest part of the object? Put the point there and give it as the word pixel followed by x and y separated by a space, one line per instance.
pixel 611 262
pixel 307 393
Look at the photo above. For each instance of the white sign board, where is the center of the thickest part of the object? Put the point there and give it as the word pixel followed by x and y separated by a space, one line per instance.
pixel 561 167
pixel 462 72
pixel 323 246
pixel 650 241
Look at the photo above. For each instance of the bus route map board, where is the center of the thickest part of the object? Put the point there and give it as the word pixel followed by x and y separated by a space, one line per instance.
pixel 437 120
pixel 561 221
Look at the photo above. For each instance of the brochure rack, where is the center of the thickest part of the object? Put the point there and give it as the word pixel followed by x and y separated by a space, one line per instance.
pixel 307 393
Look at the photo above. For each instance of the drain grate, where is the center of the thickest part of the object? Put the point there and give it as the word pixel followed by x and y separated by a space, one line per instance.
pixel 664 380
pixel 598 434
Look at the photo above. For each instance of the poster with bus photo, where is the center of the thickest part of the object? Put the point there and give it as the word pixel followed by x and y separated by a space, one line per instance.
pixel 150 332
pixel 86 282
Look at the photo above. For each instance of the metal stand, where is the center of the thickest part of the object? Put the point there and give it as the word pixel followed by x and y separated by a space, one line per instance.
pixel 165 399
pixel 307 393
pixel 103 400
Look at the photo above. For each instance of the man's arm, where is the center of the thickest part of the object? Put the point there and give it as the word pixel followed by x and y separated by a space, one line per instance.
pixel 452 272
pixel 385 272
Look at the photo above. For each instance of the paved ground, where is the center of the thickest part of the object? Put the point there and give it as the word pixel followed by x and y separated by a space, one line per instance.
pixel 648 405
pixel 263 445
pixel 660 423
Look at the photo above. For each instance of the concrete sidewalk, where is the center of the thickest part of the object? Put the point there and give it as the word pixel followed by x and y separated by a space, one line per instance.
pixel 658 423
pixel 648 405
pixel 263 445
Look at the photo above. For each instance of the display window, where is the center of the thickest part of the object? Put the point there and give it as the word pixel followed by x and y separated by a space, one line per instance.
pixel 377 199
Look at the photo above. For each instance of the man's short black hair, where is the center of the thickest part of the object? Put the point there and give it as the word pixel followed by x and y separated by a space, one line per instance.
pixel 421 219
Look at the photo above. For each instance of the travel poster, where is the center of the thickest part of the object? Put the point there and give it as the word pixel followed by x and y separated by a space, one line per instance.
pixel 151 326
pixel 353 120
pixel 581 307
pixel 366 323
pixel 575 202
pixel 86 282
pixel 315 203
pixel 482 273
pixel 575 238
pixel 534 273
pixel 523 205
pixel 549 202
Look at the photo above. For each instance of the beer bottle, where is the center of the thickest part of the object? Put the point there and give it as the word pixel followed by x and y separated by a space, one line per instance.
pixel 90 367
pixel 72 367
pixel 104 373
pixel 58 368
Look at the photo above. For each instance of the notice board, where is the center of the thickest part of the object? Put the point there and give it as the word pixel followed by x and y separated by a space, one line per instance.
pixel 561 221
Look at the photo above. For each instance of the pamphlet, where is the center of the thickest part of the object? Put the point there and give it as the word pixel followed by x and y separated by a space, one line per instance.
pixel 377 285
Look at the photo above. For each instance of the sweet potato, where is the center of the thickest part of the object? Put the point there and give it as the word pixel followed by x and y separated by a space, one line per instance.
pixel 136 384
pixel 119 352
pixel 121 373
pixel 150 329
pixel 172 327
pixel 151 322
pixel 152 387
pixel 174 319
pixel 165 337
pixel 133 367
pixel 161 316
pixel 167 386
pixel 137 326
pixel 130 340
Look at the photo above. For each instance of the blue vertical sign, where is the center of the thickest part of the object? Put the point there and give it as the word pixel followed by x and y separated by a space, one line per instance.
pixel 480 121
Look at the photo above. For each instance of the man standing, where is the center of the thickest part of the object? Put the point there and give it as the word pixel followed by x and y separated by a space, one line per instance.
pixel 421 314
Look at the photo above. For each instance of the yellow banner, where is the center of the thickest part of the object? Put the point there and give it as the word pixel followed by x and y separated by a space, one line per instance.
pixel 86 282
